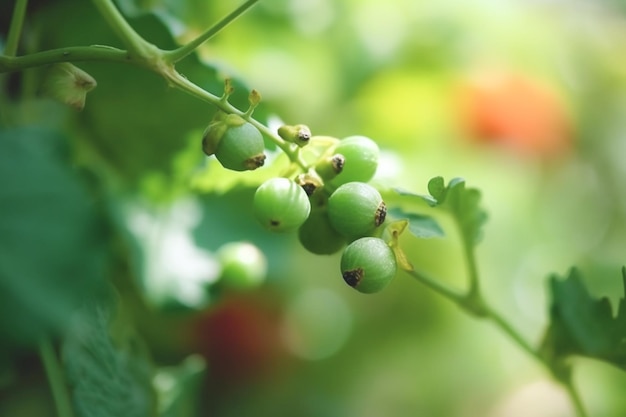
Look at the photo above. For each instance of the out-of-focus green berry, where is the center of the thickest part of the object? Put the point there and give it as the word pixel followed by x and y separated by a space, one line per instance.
pixel 243 265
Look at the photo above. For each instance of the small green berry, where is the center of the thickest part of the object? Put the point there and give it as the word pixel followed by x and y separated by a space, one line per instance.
pixel 237 144
pixel 318 236
pixel 241 148
pixel 244 266
pixel 368 264
pixel 281 205
pixel 361 160
pixel 356 209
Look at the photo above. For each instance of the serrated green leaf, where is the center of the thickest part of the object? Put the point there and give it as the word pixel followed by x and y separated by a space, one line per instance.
pixel 420 225
pixel 108 377
pixel 583 325
pixel 51 251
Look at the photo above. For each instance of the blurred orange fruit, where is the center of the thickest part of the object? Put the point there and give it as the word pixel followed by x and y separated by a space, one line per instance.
pixel 516 111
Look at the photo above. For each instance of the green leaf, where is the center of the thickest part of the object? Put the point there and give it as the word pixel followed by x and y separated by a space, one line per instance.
pixel 420 225
pixel 429 200
pixel 108 376
pixel 51 248
pixel 463 204
pixel 583 325
pixel 437 188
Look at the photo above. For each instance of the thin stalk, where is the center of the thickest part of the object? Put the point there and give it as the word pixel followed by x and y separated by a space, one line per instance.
pixel 575 398
pixel 438 286
pixel 69 54
pixel 472 268
pixel 180 53
pixel 508 329
pixel 475 303
pixel 133 41
pixel 55 379
pixel 183 84
pixel 15 28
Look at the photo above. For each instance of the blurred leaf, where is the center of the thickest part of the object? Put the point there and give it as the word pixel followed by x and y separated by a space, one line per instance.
pixel 462 203
pixel 583 325
pixel 51 252
pixel 178 387
pixel 420 225
pixel 133 121
pixel 108 377
pixel 425 198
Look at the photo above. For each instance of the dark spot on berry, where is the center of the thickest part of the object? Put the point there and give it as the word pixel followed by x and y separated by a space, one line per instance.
pixel 381 214
pixel 274 223
pixel 309 188
pixel 338 161
pixel 255 162
pixel 304 134
pixel 353 276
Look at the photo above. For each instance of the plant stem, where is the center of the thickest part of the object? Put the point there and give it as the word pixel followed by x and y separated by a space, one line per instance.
pixel 55 379
pixel 180 53
pixel 69 54
pixel 146 55
pixel 508 329
pixel 437 286
pixel 15 28
pixel 183 84
pixel 134 42
pixel 574 397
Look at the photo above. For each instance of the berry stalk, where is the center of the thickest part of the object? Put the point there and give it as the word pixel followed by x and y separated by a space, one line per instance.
pixel 15 29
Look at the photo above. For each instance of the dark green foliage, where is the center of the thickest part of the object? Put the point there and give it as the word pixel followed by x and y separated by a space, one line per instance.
pixel 106 366
pixel 583 325
pixel 51 247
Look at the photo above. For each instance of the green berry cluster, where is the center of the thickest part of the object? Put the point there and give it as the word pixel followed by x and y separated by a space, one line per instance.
pixel 332 207
pixel 328 201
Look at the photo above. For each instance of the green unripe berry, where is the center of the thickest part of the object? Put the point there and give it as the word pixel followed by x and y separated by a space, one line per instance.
pixel 318 236
pixel 241 148
pixel 368 264
pixel 361 160
pixel 237 144
pixel 356 209
pixel 281 205
pixel 243 265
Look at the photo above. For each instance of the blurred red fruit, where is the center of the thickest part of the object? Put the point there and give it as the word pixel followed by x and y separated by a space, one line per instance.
pixel 240 339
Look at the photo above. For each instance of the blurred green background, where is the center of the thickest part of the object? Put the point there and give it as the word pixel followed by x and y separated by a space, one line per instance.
pixel 523 99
